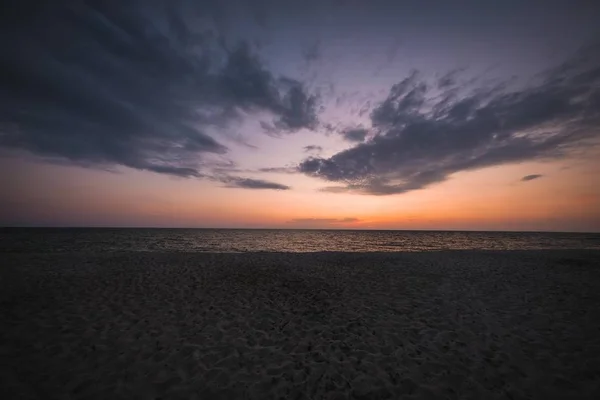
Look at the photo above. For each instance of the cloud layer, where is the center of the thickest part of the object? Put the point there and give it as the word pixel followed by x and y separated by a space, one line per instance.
pixel 532 177
pixel 145 85
pixel 355 135
pixel 313 148
pixel 151 85
pixel 247 183
pixel 424 131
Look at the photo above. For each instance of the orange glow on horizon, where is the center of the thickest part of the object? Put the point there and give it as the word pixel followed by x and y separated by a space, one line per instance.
pixel 489 199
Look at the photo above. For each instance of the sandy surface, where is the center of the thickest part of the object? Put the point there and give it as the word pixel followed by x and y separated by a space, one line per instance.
pixel 468 325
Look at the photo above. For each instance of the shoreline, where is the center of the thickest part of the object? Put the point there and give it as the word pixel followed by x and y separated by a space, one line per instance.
pixel 120 252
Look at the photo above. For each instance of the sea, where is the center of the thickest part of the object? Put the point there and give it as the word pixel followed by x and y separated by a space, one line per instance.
pixel 68 240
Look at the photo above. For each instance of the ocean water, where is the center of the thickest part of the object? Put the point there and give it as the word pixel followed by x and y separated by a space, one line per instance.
pixel 52 240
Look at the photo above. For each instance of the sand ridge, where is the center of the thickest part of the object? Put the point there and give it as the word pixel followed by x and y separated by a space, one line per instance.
pixel 456 324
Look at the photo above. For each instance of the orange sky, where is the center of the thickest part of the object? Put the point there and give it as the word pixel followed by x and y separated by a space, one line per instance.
pixel 565 198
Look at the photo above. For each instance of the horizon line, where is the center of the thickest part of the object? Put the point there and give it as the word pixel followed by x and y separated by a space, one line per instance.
pixel 295 229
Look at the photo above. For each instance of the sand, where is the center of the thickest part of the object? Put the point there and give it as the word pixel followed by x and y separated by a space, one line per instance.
pixel 454 325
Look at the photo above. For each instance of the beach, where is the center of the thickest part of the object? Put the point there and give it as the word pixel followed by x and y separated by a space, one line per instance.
pixel 420 325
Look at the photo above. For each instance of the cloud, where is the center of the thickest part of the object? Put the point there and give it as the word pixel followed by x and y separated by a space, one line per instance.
pixel 248 183
pixel 217 170
pixel 279 170
pixel 139 84
pixel 355 135
pixel 421 133
pixel 312 147
pixel 527 178
pixel 323 220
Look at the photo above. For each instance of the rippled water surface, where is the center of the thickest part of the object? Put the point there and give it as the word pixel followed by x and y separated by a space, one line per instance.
pixel 232 240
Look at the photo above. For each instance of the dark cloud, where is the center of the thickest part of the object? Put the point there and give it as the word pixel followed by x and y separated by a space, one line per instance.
pixel 450 79
pixel 527 178
pixel 245 83
pixel 355 135
pixel 329 128
pixel 248 183
pixel 314 148
pixel 138 84
pixel 419 139
pixel 217 170
pixel 323 220
pixel 279 170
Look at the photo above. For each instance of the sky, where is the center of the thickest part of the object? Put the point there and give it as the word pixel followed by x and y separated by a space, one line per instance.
pixel 343 114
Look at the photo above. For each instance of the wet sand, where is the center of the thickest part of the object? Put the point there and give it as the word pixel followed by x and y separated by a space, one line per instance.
pixel 454 325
